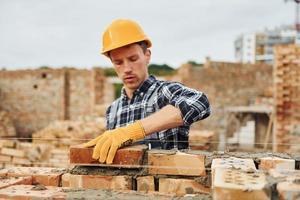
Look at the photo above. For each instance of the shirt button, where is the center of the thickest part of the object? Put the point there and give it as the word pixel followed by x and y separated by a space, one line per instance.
pixel 142 93
pixel 131 106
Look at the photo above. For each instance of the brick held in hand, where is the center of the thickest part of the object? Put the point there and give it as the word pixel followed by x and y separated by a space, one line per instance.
pixel 127 157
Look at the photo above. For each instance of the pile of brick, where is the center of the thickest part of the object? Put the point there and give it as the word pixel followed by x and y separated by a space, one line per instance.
pixel 7 128
pixel 16 153
pixel 62 134
pixel 58 158
pixel 201 140
pixel 287 97
pixel 163 174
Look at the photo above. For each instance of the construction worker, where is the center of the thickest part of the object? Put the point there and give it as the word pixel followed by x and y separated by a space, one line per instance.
pixel 158 113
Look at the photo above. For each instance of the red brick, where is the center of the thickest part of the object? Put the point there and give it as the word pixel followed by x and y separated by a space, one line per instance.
pixel 43 175
pixel 26 192
pixel 127 157
pixel 238 184
pixel 145 183
pixel 9 181
pixel 176 163
pixel 277 163
pixel 97 182
pixel 181 186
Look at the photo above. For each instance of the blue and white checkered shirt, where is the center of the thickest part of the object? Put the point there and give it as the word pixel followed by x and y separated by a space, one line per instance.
pixel 150 97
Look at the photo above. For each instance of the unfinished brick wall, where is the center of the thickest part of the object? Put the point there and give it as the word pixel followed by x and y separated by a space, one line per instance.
pixel 81 96
pixel 287 98
pixel 34 98
pixel 226 84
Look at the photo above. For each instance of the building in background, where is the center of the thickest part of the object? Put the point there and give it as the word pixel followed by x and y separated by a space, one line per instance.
pixel 257 47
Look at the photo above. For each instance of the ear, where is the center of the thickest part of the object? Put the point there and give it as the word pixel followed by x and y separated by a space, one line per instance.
pixel 148 55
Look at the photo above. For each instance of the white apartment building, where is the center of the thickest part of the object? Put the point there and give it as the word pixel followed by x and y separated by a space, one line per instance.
pixel 257 47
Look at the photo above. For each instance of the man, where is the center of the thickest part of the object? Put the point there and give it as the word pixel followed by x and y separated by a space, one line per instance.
pixel 158 113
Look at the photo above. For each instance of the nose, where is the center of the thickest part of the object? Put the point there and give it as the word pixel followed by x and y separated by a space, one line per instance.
pixel 127 67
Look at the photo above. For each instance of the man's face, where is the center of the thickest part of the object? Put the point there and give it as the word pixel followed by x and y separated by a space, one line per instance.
pixel 131 65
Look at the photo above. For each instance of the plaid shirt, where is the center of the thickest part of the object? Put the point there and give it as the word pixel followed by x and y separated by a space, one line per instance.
pixel 193 105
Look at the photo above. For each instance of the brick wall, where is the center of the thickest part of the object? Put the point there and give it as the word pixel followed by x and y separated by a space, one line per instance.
pixel 226 84
pixel 34 98
pixel 287 98
pixel 158 174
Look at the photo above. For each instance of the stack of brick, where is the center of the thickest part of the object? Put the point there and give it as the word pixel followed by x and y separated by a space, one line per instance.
pixel 7 128
pixel 287 97
pixel 201 140
pixel 59 158
pixel 11 155
pixel 15 153
pixel 62 134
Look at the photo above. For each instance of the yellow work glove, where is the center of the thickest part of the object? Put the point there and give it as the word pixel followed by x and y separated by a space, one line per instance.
pixel 107 144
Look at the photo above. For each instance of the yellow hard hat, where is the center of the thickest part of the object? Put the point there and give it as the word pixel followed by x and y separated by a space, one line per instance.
pixel 122 32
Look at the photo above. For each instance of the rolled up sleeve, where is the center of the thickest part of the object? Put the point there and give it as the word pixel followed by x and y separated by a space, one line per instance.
pixel 193 104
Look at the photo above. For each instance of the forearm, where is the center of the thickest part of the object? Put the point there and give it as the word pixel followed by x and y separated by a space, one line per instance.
pixel 166 118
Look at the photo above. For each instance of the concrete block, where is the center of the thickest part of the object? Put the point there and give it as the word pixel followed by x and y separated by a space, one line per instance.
pixel 231 163
pixel 176 163
pixel 232 184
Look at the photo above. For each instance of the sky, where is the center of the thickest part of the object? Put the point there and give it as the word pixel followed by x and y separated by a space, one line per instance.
pixel 60 33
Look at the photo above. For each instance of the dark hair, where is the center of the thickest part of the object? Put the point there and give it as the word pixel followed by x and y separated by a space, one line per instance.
pixel 143 44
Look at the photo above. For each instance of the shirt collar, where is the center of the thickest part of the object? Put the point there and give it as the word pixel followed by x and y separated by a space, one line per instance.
pixel 142 89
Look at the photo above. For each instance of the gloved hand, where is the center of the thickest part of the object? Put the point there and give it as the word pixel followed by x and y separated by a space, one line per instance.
pixel 107 144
